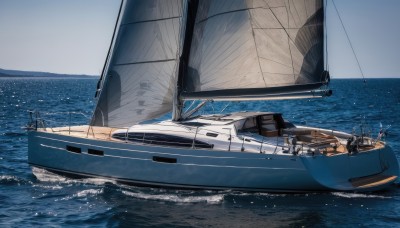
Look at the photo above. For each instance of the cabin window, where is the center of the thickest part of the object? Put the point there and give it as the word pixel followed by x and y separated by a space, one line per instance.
pixel 119 136
pixel 73 149
pixel 136 137
pixel 211 134
pixel 96 152
pixel 250 125
pixel 162 140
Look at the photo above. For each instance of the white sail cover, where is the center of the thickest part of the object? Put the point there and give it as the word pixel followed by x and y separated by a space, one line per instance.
pixel 247 48
pixel 141 75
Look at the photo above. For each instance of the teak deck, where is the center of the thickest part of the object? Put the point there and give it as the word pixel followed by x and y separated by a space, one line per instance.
pixel 83 131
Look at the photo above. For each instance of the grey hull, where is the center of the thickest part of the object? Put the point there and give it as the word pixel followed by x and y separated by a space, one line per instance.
pixel 187 168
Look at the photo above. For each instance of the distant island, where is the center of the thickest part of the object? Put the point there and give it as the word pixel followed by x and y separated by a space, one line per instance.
pixel 17 73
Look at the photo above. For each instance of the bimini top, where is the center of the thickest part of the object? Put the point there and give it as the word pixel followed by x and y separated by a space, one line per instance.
pixel 224 119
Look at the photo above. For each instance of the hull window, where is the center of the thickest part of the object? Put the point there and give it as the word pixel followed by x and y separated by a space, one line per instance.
pixel 96 152
pixel 74 149
pixel 164 159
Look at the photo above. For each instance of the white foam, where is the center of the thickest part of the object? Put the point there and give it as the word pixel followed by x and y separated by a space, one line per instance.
pixel 82 194
pixel 87 192
pixel 52 187
pixel 8 178
pixel 213 199
pixel 358 195
pixel 97 181
pixel 47 176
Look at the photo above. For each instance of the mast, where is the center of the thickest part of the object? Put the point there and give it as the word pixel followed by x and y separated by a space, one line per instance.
pixel 191 11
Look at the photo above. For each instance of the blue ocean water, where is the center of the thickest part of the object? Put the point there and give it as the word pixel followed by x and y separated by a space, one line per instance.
pixel 38 198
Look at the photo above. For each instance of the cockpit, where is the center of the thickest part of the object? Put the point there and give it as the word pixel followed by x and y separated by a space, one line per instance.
pixel 268 125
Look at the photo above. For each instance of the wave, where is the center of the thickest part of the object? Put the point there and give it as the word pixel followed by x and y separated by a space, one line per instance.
pixel 97 181
pixel 261 194
pixel 47 176
pixel 14 134
pixel 82 194
pixel 8 178
pixel 88 192
pixel 358 195
pixel 52 187
pixel 12 180
pixel 212 199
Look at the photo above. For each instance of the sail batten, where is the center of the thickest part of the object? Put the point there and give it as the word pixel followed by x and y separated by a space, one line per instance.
pixel 153 20
pixel 154 61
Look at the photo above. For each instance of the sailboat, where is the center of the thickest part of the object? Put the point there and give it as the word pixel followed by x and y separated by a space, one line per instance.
pixel 165 53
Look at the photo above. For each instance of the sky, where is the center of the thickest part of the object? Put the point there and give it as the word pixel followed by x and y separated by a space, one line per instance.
pixel 58 36
pixel 73 36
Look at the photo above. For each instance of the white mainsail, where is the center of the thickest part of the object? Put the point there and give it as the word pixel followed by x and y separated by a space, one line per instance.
pixel 244 49
pixel 141 77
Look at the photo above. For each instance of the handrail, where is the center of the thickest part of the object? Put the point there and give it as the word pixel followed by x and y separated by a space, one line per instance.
pixel 262 144
pixel 198 131
pixel 194 139
pixel 36 120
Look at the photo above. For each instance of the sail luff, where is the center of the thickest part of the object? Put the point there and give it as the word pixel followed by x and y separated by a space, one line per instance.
pixel 103 78
pixel 100 83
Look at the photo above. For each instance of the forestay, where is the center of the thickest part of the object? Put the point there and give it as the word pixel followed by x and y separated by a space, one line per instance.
pixel 141 74
pixel 251 49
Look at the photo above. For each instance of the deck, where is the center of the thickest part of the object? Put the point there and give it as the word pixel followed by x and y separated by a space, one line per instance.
pixel 319 141
pixel 83 131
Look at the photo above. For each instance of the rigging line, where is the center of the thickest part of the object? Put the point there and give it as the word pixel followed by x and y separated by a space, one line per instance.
pixel 271 60
pixel 348 38
pixel 289 38
pixel 288 27
pixel 255 44
pixel 290 50
pixel 232 11
pixel 225 107
pixel 326 35
pixel 284 29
